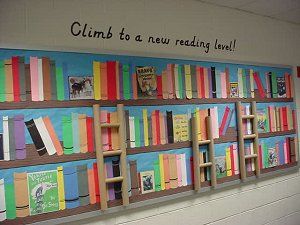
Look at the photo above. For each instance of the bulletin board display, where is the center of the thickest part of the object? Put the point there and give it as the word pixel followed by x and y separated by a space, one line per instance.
pixel 48 164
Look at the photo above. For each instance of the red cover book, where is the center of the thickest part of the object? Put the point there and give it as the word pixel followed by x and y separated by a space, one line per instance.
pixel 159 87
pixel 284 118
pixel 224 120
pixel 202 84
pixel 259 85
pixel 198 81
pixel 16 80
pixel 134 86
pixel 157 127
pixel 90 135
pixel 232 160
pixel 109 133
pixel 96 177
pixel 111 80
pixel 287 85
pixel 288 149
pixel 260 157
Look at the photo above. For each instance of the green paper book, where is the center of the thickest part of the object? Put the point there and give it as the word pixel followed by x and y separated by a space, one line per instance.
pixel 43 192
pixel 67 133
pixel 10 201
pixel 126 82
pixel 157 175
pixel 180 84
pixel 60 84
pixel 137 131
pixel 2 82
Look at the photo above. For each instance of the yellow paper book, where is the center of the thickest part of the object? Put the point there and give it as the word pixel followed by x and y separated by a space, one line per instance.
pixel 97 86
pixel 202 177
pixel 145 120
pixel 228 162
pixel 197 116
pixel 61 188
pixel 180 128
pixel 161 170
pixel 188 81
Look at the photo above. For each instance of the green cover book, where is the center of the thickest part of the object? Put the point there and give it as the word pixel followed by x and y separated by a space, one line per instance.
pixel 157 175
pixel 67 134
pixel 2 82
pixel 274 85
pixel 126 80
pixel 43 192
pixel 244 84
pixel 60 84
pixel 137 131
pixel 10 201
pixel 266 155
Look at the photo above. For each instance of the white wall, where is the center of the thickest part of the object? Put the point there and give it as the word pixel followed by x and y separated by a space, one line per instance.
pixel 37 24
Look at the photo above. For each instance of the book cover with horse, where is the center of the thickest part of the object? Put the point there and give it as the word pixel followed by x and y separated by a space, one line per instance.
pixel 81 88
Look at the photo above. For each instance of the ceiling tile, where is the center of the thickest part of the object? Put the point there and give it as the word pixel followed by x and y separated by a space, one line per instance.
pixel 230 3
pixel 270 7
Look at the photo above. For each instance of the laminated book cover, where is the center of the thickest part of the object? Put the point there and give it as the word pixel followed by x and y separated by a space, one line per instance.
pixel 281 87
pixel 146 82
pixel 234 90
pixel 147 181
pixel 221 166
pixel 273 160
pixel 43 192
pixel 261 121
pixel 180 128
pixel 81 88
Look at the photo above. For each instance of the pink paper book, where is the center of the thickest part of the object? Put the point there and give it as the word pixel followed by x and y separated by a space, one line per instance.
pixel 223 85
pixel 104 131
pixel 170 81
pixel 285 153
pixel 34 78
pixel 178 161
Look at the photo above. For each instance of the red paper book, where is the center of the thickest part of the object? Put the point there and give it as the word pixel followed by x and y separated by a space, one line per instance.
pixel 16 80
pixel 159 87
pixel 284 118
pixel 134 86
pixel 287 85
pixel 202 84
pixel 260 157
pixel 259 85
pixel 111 80
pixel 224 120
pixel 109 133
pixel 96 177
pixel 157 127
pixel 90 136
pixel 232 160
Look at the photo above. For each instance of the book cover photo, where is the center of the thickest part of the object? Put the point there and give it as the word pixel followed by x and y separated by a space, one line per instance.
pixel 146 82
pixel 81 88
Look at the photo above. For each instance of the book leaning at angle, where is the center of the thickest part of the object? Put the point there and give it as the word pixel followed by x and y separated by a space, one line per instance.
pixel 146 82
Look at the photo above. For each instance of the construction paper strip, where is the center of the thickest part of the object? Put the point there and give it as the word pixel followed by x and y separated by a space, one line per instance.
pixel 103 81
pixel 178 166
pixel 166 171
pixel 183 170
pixel 142 135
pixel 46 78
pixel 2 81
pixel 45 135
pixel 90 134
pixel 2 201
pixel 228 163
pixel 157 126
pixel 213 82
pixel 126 82
pixel 76 130
pixel 117 81
pixel 159 87
pixel 1 147
pixel 131 84
pixel 71 187
pixel 183 81
pixel 194 81
pixel 28 82
pixel 65 80
pixel 245 89
pixel 145 127
pixel 218 84
pixel 128 179
pixel 161 171
pixel 162 129
pixel 224 120
pixel 134 178
pixel 110 187
pixel 96 179
pixel 227 122
pixel 127 131
pixel 188 81
pixel 206 83
pixel 170 127
pixel 61 188
pixel 53 80
pixel 176 82
pixel 19 129
pixel 170 82
pixel 10 201
pixel 92 190
pixel 150 130
pixel 121 83
pixel 6 146
pixel 137 131
pixel 180 82
pixel 9 81
pixel 173 171
pixel 16 79
pixel 40 80
pixel 134 86
pixel 114 131
pixel 198 80
pixel 21 194
pixel 109 133
pixel 164 78
pixel 12 144
pixel 116 173
pixel 97 81
pixel 274 85
pixel 67 135
pixel 53 136
pixel 259 85
pixel 83 186
pixel 22 80
pixel 104 136
pixel 132 131
pixel 157 175
pixel 111 80
pixel 223 85
pixel 251 83
pixel 59 84
pixel 154 128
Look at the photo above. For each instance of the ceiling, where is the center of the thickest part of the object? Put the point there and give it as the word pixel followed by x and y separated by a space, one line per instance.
pixel 286 10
